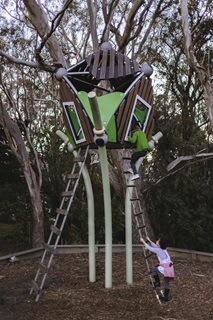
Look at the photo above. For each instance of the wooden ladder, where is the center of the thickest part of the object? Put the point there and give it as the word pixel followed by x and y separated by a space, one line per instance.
pixel 138 214
pixel 61 217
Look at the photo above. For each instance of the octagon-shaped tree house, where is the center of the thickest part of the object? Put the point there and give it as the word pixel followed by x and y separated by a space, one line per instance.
pixel 127 98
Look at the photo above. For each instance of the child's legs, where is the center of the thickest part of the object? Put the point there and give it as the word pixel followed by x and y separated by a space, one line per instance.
pixel 154 271
pixel 166 284
pixel 135 157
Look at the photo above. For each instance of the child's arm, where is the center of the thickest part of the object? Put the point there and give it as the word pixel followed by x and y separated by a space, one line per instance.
pixel 132 138
pixel 154 249
pixel 152 243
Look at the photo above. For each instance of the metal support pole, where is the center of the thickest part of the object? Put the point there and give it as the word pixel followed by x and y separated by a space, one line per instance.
pixel 101 140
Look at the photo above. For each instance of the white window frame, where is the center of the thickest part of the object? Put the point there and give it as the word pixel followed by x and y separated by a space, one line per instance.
pixel 149 107
pixel 71 104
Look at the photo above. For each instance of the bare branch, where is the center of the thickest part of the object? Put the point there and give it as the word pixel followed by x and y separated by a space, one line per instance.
pixel 174 172
pixel 35 65
pixel 55 23
pixel 186 158
pixel 92 7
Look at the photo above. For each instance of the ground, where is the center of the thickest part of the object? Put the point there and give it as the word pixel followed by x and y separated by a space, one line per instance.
pixel 68 294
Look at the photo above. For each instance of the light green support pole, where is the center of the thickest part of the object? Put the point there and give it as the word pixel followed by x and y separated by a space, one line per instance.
pixel 101 140
pixel 91 210
pixel 128 220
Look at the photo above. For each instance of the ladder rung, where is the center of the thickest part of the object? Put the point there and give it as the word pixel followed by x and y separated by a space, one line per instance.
pixel 55 230
pixel 35 287
pixel 61 211
pixel 43 268
pixel 134 199
pixel 67 194
pixel 138 214
pixel 141 227
pixel 149 255
pixel 49 248
pixel 73 176
pixel 78 159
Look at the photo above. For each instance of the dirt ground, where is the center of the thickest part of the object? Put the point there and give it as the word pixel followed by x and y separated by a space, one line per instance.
pixel 68 294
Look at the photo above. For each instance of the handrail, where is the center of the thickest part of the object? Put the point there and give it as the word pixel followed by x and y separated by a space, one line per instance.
pixel 69 249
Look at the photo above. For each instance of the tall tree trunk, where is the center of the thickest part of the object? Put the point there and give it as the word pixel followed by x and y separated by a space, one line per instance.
pixel 15 140
pixel 39 20
pixel 194 64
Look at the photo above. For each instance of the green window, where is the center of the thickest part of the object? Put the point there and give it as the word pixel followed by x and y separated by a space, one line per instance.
pixel 140 114
pixel 74 122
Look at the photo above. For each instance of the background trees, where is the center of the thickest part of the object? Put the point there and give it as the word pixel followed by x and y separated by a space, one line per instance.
pixel 40 38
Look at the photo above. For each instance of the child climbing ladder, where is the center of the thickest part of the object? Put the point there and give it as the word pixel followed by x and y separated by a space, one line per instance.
pixel 165 265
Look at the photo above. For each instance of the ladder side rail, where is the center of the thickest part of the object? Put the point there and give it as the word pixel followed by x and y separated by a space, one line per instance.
pixel 69 181
pixel 142 215
pixel 44 277
pixel 71 198
pixel 61 227
pixel 77 180
pixel 62 201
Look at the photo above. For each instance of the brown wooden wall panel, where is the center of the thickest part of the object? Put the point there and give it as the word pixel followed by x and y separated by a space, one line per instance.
pixel 149 92
pixel 67 96
pixel 83 119
pixel 112 64
pixel 128 110
pixel 127 65
pixel 120 64
pixel 104 64
pixel 136 66
pixel 95 63
pixel 122 113
pixel 143 89
pixel 129 107
pixel 146 92
pixel 149 130
pixel 150 120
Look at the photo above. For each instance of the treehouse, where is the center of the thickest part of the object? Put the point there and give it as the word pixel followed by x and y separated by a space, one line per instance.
pixel 124 93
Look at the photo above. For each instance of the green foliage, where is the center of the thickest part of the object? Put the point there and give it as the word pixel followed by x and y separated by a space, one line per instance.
pixel 180 207
pixel 11 238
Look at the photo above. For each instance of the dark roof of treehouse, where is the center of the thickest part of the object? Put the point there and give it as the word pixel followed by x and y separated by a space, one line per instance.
pixel 104 64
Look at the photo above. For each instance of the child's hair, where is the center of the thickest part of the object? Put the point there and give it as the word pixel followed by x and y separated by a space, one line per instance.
pixel 163 242
pixel 135 127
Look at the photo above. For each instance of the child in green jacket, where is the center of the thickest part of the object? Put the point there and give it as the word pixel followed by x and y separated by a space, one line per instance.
pixel 142 148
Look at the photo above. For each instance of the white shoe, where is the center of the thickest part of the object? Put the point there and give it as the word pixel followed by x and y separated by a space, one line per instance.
pixel 135 177
pixel 94 158
pixel 129 170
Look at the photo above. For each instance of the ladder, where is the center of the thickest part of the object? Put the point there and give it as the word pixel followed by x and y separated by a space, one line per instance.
pixel 138 214
pixel 61 217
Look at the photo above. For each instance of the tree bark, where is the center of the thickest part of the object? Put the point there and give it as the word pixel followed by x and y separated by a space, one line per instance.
pixel 194 64
pixel 39 20
pixel 92 7
pixel 18 147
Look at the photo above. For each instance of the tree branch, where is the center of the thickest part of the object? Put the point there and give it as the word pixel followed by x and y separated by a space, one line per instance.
pixel 35 65
pixel 174 172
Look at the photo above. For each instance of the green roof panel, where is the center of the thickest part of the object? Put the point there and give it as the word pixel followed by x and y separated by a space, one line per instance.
pixel 108 104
